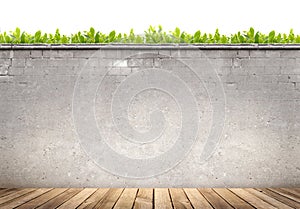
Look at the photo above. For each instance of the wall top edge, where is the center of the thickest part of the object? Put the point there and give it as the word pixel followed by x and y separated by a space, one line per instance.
pixel 149 46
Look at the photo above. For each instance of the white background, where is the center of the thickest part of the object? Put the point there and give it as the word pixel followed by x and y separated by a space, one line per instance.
pixel 121 15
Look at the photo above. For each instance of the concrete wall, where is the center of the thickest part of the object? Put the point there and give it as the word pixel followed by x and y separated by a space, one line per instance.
pixel 149 116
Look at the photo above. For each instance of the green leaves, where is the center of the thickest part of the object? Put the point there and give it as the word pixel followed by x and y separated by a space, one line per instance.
pixel 97 37
pixel 197 36
pixel 23 38
pixel 111 36
pixel 250 33
pixel 37 36
pixel 57 36
pixel 153 35
pixel 176 32
pixel 256 38
pixel 271 36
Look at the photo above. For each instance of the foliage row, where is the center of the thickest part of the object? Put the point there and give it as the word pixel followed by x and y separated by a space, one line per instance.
pixel 152 35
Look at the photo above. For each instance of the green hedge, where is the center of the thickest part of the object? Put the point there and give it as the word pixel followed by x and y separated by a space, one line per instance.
pixel 151 35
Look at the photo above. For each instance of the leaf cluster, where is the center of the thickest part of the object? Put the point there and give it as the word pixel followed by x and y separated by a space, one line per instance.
pixel 153 35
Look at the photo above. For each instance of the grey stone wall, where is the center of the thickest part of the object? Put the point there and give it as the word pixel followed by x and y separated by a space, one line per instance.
pixel 149 116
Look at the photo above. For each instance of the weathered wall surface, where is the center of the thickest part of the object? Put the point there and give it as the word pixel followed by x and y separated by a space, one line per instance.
pixel 149 117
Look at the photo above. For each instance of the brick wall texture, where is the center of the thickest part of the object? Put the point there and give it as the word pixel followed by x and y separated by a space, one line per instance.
pixel 41 143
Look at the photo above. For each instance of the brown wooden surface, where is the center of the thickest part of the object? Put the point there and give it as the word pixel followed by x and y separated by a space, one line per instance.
pixel 92 201
pixel 126 199
pixel 25 198
pixel 286 193
pixel 214 199
pixel 232 199
pixel 197 199
pixel 77 200
pixel 179 199
pixel 268 199
pixel 144 199
pixel 109 199
pixel 42 198
pixel 252 199
pixel 60 199
pixel 148 198
pixel 280 198
pixel 162 199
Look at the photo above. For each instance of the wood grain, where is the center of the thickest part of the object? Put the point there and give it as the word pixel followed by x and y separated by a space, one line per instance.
pixel 148 198
pixel 162 199
pixel 215 200
pixel 144 199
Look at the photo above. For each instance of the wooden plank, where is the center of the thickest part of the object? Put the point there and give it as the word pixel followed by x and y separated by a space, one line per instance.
pixel 77 199
pixel 296 189
pixel 268 199
pixel 215 200
pixel 283 198
pixel 292 192
pixel 279 197
pixel 179 199
pixel 15 195
pixel 92 201
pixel 126 199
pixel 25 198
pixel 5 192
pixel 109 199
pixel 60 199
pixel 42 199
pixel 162 199
pixel 144 199
pixel 286 194
pixel 252 199
pixel 232 199
pixel 196 199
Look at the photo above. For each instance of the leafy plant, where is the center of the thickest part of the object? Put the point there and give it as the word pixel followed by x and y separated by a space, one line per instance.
pixel 153 35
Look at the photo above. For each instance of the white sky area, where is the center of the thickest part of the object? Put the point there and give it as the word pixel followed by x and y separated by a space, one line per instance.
pixel 229 16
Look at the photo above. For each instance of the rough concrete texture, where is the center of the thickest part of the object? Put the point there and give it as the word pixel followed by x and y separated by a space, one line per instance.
pixel 149 118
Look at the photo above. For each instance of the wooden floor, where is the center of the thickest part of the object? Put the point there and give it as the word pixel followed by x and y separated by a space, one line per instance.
pixel 150 198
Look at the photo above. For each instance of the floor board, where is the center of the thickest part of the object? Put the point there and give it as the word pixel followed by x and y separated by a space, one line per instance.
pixel 149 198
